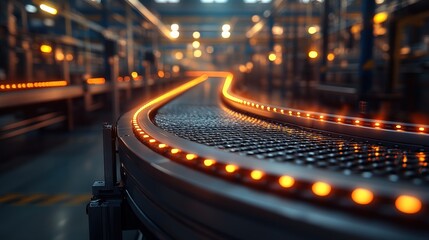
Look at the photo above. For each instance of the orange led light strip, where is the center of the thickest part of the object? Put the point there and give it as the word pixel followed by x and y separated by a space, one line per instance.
pixel 96 81
pixel 14 86
pixel 360 196
pixel 358 122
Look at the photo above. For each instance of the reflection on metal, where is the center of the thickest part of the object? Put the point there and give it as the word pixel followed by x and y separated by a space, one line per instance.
pixel 255 29
pixel 383 128
pixel 150 17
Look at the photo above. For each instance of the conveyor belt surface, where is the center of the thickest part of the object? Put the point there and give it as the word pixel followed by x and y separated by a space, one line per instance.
pixel 195 168
pixel 202 118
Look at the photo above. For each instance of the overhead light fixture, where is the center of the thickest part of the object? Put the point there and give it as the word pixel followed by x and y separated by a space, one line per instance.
pixel 196 35
pixel 313 29
pixel 226 34
pixel 30 8
pixel 195 44
pixel 255 18
pixel 226 28
pixel 167 1
pixel 174 30
pixel 197 53
pixel 48 9
pixel 174 34
pixel 174 27
pixel 214 1
pixel 257 1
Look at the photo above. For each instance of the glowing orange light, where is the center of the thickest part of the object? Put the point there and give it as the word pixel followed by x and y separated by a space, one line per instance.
pixel 162 145
pixel 69 57
pixel 421 129
pixel 421 156
pixel 59 55
pixel 178 55
pixel 161 74
pixel 308 115
pixel 175 150
pixel 380 17
pixel 190 156
pixel 256 174
pixel 321 189
pixel 408 204
pixel 45 48
pixel 145 136
pixel 134 74
pixel 175 69
pixel 313 54
pixel 152 140
pixel 322 117
pixel 225 90
pixel 272 57
pixel 330 57
pixel 362 196
pixel 377 124
pixel 286 181
pixel 230 168
pixel 357 121
pixel 209 162
pixel 339 119
pixel 398 126
pixel 96 81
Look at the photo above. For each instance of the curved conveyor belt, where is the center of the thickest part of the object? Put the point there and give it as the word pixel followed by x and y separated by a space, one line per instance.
pixel 195 167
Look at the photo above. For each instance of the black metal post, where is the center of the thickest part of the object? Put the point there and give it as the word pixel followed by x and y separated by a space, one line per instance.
pixel 366 62
pixel 325 41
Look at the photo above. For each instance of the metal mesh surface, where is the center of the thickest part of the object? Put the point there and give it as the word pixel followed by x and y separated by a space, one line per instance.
pixel 208 123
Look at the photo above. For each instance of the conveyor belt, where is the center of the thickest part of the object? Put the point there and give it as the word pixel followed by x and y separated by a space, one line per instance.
pixel 195 118
pixel 175 165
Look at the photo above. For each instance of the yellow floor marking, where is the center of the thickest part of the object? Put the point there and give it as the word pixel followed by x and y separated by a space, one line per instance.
pixel 80 199
pixel 8 197
pixel 54 199
pixel 29 199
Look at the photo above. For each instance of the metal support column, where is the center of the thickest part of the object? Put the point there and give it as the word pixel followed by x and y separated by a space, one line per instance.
pixel 11 33
pixel 271 49
pixel 105 208
pixel 285 63
pixel 130 38
pixel 111 61
pixel 366 62
pixel 325 41
pixel 295 49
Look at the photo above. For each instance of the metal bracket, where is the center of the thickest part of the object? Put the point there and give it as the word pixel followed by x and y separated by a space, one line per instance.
pixel 105 208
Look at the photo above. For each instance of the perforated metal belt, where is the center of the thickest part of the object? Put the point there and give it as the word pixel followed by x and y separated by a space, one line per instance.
pixel 216 126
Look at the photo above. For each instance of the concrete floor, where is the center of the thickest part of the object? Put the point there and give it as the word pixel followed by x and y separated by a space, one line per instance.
pixel 45 195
